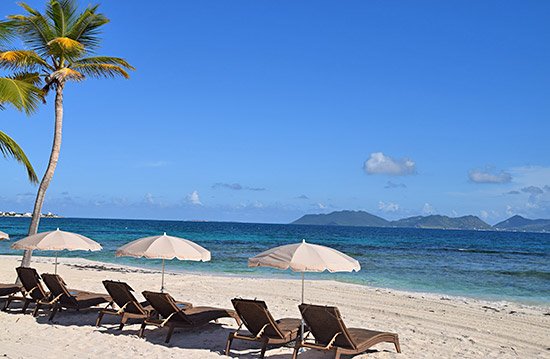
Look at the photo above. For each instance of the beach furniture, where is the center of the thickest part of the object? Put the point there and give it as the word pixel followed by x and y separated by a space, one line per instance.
pixel 64 297
pixel 126 305
pixel 33 291
pixel 331 334
pixel 166 248
pixel 57 241
pixel 8 290
pixel 174 315
pixel 262 327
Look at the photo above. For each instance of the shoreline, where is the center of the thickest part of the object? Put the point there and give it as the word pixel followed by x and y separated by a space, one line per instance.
pixel 87 264
pixel 284 275
pixel 428 325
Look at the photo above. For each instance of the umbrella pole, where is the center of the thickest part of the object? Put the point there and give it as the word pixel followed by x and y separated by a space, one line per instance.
pixel 162 285
pixel 55 262
pixel 302 321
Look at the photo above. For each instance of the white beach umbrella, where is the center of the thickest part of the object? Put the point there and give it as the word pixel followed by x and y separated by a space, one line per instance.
pixel 164 247
pixel 57 241
pixel 4 235
pixel 305 257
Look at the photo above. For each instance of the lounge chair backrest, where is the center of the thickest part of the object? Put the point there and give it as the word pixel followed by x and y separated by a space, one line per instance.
pixel 31 282
pixel 58 288
pixel 121 293
pixel 256 317
pixel 326 324
pixel 166 306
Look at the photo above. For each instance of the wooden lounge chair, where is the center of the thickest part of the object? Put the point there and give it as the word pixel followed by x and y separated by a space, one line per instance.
pixel 331 334
pixel 125 304
pixel 262 327
pixel 69 298
pixel 8 291
pixel 33 291
pixel 174 315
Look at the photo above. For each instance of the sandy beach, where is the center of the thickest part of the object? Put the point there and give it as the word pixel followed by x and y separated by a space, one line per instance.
pixel 429 326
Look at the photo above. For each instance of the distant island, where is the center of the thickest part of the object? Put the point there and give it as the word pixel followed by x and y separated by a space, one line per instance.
pixel 28 215
pixel 365 219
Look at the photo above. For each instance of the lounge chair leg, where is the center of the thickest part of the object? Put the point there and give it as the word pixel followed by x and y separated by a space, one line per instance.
pixel 264 348
pixel 36 309
pixel 296 349
pixel 122 322
pixel 397 346
pixel 228 345
pixel 53 312
pixel 25 306
pixel 337 354
pixel 170 332
pixel 99 317
pixel 142 329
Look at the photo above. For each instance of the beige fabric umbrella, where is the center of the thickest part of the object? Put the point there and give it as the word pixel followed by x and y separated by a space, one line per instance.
pixel 164 247
pixel 57 241
pixel 305 257
pixel 4 235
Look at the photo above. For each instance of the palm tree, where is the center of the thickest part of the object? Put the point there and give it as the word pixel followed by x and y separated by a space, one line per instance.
pixel 60 43
pixel 18 91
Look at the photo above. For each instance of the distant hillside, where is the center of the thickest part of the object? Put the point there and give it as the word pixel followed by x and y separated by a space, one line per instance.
pixel 442 222
pixel 343 218
pixel 365 219
pixel 519 223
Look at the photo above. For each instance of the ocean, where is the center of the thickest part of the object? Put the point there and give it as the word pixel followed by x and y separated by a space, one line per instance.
pixel 480 264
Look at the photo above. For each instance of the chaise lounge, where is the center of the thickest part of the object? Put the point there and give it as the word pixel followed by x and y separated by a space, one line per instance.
pixel 33 291
pixel 262 327
pixel 331 334
pixel 69 298
pixel 178 315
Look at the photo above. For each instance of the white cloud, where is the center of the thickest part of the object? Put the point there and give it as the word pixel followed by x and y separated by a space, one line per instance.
pixel 321 205
pixel 428 209
pixel 149 198
pixel 194 198
pixel 533 190
pixel 378 163
pixel 391 184
pixel 388 207
pixel 484 214
pixel 488 175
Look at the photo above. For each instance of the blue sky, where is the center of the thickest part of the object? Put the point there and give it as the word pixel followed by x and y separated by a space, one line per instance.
pixel 266 110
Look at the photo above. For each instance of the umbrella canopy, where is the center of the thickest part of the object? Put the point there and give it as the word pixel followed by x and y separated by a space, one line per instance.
pixel 164 247
pixel 57 241
pixel 305 257
pixel 4 235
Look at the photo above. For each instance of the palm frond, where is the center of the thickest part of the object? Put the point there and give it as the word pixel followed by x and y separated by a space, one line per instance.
pixel 22 60
pixel 65 47
pixel 102 70
pixel 105 60
pixel 35 30
pixel 20 92
pixel 64 74
pixel 87 28
pixel 10 148
pixel 6 32
pixel 62 13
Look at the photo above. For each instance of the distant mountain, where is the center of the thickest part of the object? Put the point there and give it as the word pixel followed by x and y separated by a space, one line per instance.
pixel 442 222
pixel 519 223
pixel 344 218
pixel 365 219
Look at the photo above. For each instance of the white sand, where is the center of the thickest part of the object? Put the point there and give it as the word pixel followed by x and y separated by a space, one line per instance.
pixel 428 326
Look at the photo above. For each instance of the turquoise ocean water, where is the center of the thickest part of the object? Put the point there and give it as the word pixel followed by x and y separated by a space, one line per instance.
pixel 485 265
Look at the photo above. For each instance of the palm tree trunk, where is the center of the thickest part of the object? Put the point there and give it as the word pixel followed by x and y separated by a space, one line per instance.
pixel 52 164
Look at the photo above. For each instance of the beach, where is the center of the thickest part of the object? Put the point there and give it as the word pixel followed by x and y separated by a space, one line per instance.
pixel 429 325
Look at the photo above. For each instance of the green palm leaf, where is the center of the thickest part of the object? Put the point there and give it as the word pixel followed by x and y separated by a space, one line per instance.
pixel 9 148
pixel 21 92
